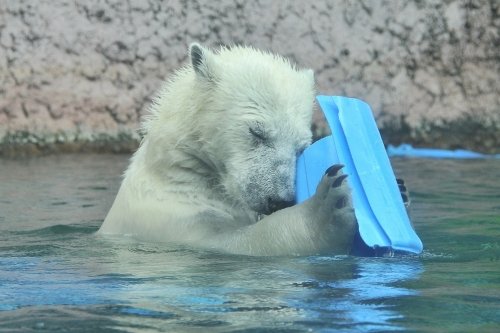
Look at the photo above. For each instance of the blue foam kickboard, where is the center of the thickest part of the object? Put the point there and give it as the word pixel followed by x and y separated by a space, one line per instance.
pixel 355 142
pixel 406 150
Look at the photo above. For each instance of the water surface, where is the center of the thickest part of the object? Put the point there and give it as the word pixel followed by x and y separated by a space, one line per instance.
pixel 57 275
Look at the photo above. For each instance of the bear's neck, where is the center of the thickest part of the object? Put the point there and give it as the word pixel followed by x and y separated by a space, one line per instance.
pixel 180 173
pixel 179 167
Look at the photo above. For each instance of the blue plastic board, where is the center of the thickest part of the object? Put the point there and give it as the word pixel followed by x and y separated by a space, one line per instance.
pixel 406 150
pixel 311 166
pixel 355 142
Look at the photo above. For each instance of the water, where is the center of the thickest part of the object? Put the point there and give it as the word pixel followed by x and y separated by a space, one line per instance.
pixel 56 275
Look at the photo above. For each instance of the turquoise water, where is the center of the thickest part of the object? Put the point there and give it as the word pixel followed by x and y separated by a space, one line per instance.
pixel 57 275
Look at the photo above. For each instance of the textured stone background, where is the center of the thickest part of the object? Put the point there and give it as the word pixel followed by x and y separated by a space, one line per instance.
pixel 78 75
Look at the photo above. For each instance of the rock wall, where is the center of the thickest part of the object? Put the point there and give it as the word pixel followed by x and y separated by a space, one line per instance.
pixel 78 75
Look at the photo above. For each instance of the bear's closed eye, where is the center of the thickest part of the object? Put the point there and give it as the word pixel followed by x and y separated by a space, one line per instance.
pixel 258 133
pixel 259 136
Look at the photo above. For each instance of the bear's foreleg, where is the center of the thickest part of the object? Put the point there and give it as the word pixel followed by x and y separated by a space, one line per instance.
pixel 325 223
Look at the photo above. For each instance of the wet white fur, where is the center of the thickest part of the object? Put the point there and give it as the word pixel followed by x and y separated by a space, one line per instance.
pixel 201 178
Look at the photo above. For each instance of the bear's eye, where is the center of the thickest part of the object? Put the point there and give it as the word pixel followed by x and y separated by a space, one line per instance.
pixel 259 135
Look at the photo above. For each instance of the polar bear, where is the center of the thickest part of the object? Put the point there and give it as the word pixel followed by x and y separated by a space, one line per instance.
pixel 216 167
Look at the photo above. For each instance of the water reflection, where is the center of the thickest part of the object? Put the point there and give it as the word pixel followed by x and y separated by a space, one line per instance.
pixel 365 301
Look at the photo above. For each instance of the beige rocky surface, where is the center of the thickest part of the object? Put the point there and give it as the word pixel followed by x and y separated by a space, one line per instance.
pixel 78 75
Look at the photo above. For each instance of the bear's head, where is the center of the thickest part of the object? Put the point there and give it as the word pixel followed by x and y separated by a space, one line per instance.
pixel 255 119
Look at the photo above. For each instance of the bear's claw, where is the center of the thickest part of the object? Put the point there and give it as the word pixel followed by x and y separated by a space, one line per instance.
pixel 333 170
pixel 404 191
pixel 340 179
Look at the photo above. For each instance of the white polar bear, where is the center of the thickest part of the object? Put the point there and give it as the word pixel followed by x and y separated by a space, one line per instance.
pixel 216 167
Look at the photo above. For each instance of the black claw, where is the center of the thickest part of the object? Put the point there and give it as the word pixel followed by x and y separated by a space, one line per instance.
pixel 405 198
pixel 400 181
pixel 332 171
pixel 402 188
pixel 341 203
pixel 337 182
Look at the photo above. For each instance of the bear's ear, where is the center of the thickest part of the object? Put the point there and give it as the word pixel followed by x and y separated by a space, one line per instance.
pixel 202 61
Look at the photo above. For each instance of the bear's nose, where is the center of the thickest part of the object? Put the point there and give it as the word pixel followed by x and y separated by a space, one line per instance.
pixel 275 205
